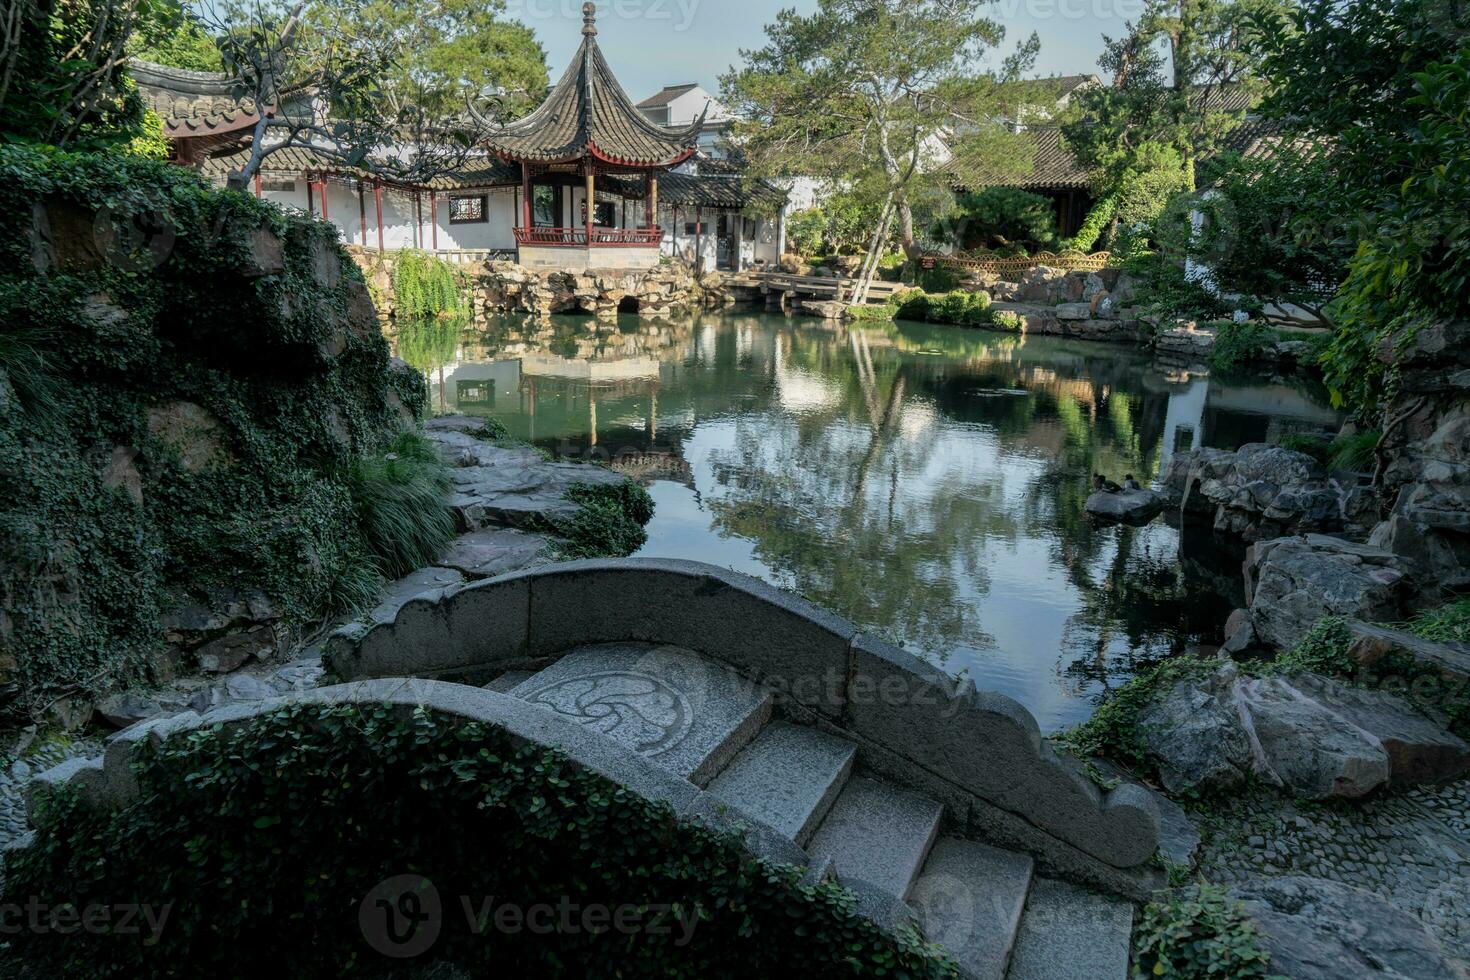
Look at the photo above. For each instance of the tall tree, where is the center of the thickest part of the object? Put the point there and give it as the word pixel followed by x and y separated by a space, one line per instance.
pixel 865 93
pixel 62 78
pixel 362 83
pixel 1382 87
pixel 1182 77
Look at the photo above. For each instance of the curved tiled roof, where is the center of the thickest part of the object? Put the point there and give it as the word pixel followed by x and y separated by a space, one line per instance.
pixel 702 190
pixel 589 115
pixel 1053 167
pixel 194 103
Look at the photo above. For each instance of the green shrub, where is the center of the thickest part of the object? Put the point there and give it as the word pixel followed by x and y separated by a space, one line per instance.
pixel 1007 218
pixel 912 304
pixel 1238 344
pixel 940 279
pixel 1194 933
pixel 961 308
pixel 1358 451
pixel 425 286
pixel 402 500
pixel 609 523
pixel 872 314
pixel 1008 320
pixel 1113 731
pixel 1314 446
pixel 268 840
pixel 495 430
pixel 1324 650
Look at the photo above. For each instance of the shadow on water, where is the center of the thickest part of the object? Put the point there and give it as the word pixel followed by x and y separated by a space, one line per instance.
pixel 925 482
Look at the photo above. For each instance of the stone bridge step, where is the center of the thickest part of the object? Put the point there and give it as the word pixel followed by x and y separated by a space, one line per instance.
pixel 788 778
pixel 675 708
pixel 879 834
pixel 969 899
pixel 1068 933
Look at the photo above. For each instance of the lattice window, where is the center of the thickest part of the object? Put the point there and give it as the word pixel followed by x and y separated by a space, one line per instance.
pixel 467 210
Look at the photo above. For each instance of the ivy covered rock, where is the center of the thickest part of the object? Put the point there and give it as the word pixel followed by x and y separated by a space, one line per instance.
pixel 191 376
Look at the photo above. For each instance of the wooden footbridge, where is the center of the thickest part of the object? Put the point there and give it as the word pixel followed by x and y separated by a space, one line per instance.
pixel 791 290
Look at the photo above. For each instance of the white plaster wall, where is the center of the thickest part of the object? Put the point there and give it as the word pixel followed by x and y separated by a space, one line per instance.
pixel 496 232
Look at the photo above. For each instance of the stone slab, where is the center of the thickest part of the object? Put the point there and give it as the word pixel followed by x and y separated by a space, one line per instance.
pixel 969 899
pixel 878 833
pixel 425 581
pixel 788 778
pixel 490 554
pixel 1071 934
pixel 683 712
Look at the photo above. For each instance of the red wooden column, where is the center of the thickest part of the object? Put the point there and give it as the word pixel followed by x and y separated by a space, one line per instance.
pixel 418 219
pixel 362 213
pixel 434 218
pixel 322 186
pixel 591 203
pixel 525 195
pixel 257 186
pixel 378 200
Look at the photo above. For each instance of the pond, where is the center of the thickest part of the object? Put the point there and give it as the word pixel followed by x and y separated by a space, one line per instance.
pixel 925 482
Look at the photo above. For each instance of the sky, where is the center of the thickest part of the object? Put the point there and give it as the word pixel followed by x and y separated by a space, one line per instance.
pixel 653 43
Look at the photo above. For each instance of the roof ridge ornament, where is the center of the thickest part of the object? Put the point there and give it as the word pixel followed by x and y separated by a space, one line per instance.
pixel 589 19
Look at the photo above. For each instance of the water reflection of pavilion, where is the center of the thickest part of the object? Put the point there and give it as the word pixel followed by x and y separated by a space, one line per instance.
pixel 485 386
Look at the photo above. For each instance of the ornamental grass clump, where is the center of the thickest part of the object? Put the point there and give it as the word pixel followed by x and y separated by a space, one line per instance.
pixel 402 500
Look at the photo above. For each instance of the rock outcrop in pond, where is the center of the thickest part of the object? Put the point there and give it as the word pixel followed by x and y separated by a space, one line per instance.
pixel 1126 506
pixel 1263 491
pixel 1291 583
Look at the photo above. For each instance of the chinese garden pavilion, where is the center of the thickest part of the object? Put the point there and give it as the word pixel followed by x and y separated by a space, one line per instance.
pixel 586 129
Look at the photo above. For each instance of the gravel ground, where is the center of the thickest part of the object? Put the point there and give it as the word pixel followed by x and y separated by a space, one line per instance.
pixel 1412 848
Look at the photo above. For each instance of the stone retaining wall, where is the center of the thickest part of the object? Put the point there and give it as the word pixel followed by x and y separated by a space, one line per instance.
pixel 981 753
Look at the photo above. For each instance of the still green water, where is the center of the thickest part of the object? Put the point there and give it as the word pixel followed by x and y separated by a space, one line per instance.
pixel 925 482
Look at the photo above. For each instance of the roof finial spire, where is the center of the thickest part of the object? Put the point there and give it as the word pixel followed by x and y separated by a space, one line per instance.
pixel 589 19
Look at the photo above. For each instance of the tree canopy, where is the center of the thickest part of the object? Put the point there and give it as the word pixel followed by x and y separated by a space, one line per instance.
pixel 868 93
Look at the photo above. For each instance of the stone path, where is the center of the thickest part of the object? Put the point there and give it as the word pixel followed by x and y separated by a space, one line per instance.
pixel 1411 848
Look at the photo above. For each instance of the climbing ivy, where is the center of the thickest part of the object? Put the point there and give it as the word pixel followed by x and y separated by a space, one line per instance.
pixel 125 290
pixel 267 849
pixel 1196 932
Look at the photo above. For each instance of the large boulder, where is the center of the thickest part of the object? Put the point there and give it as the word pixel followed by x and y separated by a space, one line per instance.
pixel 1304 746
pixel 1291 583
pixel 1316 929
pixel 1312 736
pixel 1126 506
pixel 1373 646
pixel 1193 733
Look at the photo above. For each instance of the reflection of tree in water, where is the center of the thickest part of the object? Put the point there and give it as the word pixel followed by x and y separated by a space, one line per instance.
pixel 430 344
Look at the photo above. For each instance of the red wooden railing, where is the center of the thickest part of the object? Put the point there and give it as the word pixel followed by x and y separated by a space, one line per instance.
pixel 601 237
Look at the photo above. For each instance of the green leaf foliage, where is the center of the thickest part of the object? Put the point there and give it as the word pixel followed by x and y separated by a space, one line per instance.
pixel 1006 217
pixel 1197 932
pixel 608 524
pixel 268 837
pixel 427 286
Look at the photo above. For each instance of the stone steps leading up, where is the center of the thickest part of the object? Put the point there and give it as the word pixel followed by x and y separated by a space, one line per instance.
pixel 694 718
pixel 788 777
pixel 1068 933
pixel 878 833
pixel 969 899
